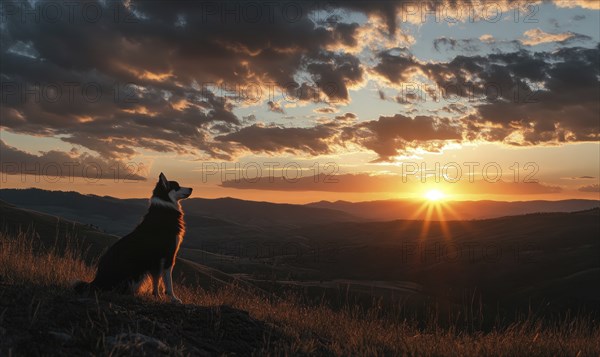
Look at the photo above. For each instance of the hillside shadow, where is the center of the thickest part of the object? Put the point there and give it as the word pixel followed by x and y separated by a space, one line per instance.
pixel 43 320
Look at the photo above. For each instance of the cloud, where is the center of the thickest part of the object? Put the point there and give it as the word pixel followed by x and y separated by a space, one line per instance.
pixel 322 182
pixel 363 182
pixel 535 37
pixel 487 38
pixel 464 45
pixel 158 83
pixel 326 110
pixel 347 117
pixel 166 78
pixel 396 65
pixel 578 178
pixel 276 139
pixel 520 98
pixel 71 164
pixel 119 118
pixel 586 4
pixel 563 109
pixel 390 136
pixel 455 108
pixel 590 188
pixel 335 73
pixel 275 107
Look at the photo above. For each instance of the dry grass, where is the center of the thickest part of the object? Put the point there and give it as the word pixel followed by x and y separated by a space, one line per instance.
pixel 320 329
pixel 25 259
pixel 354 332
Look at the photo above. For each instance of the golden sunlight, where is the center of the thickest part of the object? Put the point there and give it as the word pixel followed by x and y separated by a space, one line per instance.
pixel 434 195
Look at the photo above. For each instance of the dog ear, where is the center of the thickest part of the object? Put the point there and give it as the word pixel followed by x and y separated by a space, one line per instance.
pixel 163 180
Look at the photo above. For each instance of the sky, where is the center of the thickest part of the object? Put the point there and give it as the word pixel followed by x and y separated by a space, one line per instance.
pixel 303 101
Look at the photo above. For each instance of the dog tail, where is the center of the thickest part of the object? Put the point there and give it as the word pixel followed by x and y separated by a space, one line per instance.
pixel 81 287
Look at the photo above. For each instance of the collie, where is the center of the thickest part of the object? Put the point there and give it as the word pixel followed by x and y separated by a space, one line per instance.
pixel 150 250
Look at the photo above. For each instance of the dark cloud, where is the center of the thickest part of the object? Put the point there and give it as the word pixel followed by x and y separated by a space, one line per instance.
pixel 396 65
pixel 168 74
pixel 275 107
pixel 455 108
pixel 465 45
pixel 542 96
pixel 335 73
pixel 380 183
pixel 112 119
pixel 322 182
pixel 387 136
pixel 385 10
pixel 566 106
pixel 578 178
pixel 391 136
pixel 275 139
pixel 174 54
pixel 347 117
pixel 56 163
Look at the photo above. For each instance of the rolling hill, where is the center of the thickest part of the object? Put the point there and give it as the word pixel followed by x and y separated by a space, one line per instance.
pixel 387 210
pixel 119 216
pixel 51 231
pixel 509 261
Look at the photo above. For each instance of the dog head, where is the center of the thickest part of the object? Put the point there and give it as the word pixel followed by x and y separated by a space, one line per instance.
pixel 169 192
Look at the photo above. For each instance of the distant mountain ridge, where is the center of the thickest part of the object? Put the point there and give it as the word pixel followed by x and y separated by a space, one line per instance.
pixel 388 210
pixel 119 216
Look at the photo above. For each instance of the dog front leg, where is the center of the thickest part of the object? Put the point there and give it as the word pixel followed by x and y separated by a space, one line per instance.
pixel 156 279
pixel 168 279
pixel 155 284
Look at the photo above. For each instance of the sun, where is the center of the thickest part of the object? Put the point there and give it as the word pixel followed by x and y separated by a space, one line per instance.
pixel 434 195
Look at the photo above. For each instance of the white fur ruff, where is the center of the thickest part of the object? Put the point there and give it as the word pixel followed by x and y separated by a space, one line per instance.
pixel 155 201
